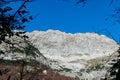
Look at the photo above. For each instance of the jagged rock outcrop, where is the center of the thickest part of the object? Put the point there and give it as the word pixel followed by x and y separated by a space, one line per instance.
pixel 60 42
pixel 80 54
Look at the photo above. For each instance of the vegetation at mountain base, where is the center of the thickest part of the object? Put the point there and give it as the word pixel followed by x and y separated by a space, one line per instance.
pixel 34 71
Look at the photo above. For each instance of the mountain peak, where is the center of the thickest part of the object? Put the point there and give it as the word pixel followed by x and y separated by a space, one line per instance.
pixel 56 41
pixel 74 52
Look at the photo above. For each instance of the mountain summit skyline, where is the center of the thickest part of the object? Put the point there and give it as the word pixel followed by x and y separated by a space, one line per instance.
pixel 71 53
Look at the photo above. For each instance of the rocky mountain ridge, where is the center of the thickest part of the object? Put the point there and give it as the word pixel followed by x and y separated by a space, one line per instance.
pixel 75 54
pixel 61 42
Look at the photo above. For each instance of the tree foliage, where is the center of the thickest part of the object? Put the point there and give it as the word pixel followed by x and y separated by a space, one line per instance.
pixel 10 21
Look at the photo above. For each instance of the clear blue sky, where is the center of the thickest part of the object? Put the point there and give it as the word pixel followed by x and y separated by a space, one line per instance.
pixel 68 17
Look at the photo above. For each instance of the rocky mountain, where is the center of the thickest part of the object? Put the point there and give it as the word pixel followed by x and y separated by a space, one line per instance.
pixel 82 54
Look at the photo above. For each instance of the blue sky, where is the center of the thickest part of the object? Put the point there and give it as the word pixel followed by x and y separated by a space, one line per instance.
pixel 68 17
